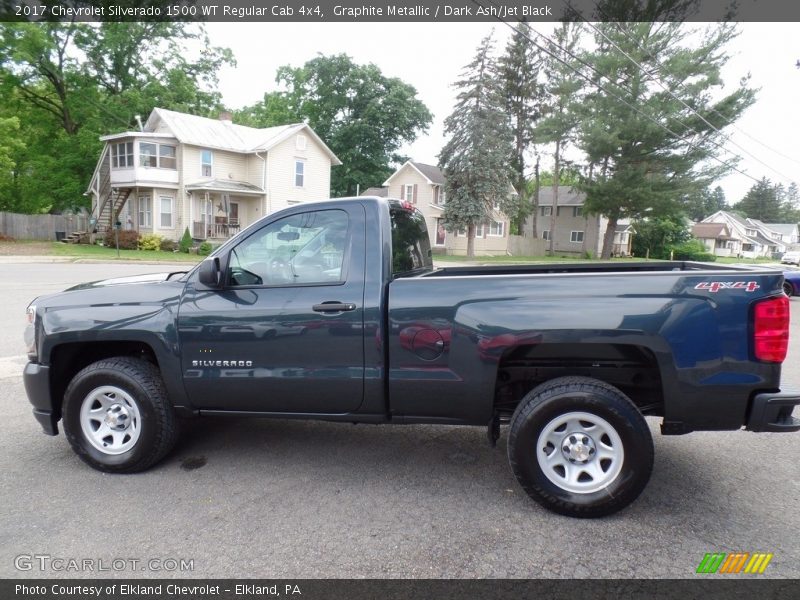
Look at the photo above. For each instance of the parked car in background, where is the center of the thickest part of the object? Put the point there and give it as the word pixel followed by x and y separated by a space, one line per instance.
pixel 791 283
pixel 791 258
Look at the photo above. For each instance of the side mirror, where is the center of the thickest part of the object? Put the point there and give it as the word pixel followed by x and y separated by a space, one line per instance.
pixel 210 273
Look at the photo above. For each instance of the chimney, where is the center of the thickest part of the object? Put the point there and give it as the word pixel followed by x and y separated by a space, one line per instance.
pixel 226 117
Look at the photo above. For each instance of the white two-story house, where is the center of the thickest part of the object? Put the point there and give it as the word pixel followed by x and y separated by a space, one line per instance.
pixel 210 175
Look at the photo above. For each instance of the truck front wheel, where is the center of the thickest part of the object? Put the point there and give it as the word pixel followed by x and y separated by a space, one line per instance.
pixel 117 416
pixel 580 447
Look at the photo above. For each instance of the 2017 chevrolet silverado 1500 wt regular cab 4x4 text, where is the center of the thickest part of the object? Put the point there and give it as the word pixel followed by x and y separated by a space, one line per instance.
pixel 334 311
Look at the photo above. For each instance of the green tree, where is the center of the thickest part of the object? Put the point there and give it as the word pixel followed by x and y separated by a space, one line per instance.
pixel 524 95
pixel 475 158
pixel 557 127
pixel 655 145
pixel 703 203
pixel 69 83
pixel 362 115
pixel 769 202
pixel 657 237
pixel 273 109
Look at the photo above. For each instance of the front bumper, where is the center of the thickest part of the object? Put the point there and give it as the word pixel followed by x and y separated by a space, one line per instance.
pixel 772 411
pixel 37 385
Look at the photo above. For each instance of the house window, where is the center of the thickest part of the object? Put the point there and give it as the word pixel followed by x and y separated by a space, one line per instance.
pixel 233 215
pixel 546 234
pixel 299 173
pixel 166 157
pixel 750 232
pixel 148 154
pixel 145 219
pixel 300 142
pixel 206 163
pixel 496 228
pixel 122 155
pixel 165 216
pixel 546 211
pixel 441 232
pixel 437 197
pixel 409 193
pixel 479 231
pixel 576 237
pixel 623 238
pixel 577 211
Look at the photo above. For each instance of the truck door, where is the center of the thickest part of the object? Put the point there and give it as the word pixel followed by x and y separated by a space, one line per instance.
pixel 285 331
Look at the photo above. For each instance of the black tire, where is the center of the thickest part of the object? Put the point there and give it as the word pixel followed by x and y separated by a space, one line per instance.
pixel 552 401
pixel 135 385
pixel 787 289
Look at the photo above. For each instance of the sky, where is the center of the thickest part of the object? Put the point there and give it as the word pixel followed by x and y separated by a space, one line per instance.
pixel 430 57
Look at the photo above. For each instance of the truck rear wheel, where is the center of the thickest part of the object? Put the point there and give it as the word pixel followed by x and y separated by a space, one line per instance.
pixel 580 447
pixel 117 416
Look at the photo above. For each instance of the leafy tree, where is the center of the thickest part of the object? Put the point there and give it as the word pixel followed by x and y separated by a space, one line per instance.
pixel 69 83
pixel 273 109
pixel 362 115
pixel 519 70
pixel 656 237
pixel 653 150
pixel 10 145
pixel 558 125
pixel 475 158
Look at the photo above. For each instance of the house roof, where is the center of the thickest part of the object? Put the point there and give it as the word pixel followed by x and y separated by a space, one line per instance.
pixel 783 228
pixel 225 185
pixel 566 196
pixel 381 192
pixel 431 173
pixel 225 135
pixel 711 231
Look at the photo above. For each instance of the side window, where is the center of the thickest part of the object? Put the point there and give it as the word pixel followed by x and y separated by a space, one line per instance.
pixel 303 249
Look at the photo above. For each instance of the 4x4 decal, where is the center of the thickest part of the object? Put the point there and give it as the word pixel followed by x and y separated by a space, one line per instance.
pixel 715 286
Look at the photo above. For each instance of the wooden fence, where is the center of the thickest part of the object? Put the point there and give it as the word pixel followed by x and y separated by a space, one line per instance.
pixel 40 227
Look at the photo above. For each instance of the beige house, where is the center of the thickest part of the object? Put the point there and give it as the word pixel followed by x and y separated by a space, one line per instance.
pixel 423 186
pixel 209 175
pixel 576 232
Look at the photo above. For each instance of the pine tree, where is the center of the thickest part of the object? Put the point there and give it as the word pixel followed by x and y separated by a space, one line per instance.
pixel 654 150
pixel 519 69
pixel 475 158
pixel 558 125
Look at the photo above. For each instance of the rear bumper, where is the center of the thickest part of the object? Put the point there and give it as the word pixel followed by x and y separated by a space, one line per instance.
pixel 37 385
pixel 773 412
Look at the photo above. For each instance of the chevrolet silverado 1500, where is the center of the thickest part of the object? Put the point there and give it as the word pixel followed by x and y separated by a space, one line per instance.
pixel 334 311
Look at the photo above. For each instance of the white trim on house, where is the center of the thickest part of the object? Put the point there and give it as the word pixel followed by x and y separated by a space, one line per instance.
pixel 411 164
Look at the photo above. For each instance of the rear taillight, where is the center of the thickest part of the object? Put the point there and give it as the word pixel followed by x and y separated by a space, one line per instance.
pixel 771 329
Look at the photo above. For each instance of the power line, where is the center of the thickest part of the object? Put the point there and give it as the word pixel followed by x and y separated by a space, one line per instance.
pixel 616 97
pixel 666 89
pixel 725 120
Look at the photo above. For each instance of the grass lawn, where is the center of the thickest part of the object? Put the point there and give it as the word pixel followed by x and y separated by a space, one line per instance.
pixel 103 253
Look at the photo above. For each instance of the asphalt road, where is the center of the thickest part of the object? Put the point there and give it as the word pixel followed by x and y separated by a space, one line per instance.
pixel 275 499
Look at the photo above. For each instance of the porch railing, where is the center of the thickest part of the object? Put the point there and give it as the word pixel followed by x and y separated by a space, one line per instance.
pixel 221 231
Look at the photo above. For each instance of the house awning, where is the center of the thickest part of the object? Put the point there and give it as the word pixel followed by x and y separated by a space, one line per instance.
pixel 225 186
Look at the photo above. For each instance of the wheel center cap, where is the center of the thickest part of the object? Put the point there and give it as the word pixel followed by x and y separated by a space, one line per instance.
pixel 578 447
pixel 118 417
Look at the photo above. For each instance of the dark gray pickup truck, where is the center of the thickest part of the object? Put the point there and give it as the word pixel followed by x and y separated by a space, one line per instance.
pixel 333 311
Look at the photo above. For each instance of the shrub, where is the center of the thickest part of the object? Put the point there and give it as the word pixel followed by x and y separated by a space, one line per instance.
pixel 150 241
pixel 186 241
pixel 205 249
pixel 692 250
pixel 128 240
pixel 169 245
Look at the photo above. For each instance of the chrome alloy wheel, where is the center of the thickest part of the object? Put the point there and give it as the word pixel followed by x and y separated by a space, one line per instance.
pixel 110 419
pixel 580 452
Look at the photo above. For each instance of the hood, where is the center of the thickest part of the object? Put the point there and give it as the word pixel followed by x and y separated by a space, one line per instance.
pixel 132 279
